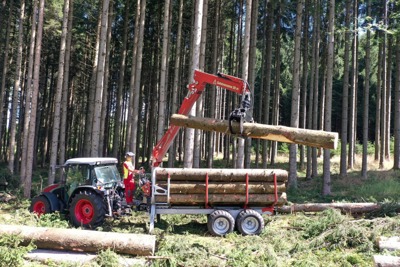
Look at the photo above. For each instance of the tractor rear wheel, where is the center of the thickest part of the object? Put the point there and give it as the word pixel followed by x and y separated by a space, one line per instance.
pixel 87 209
pixel 40 205
pixel 220 223
pixel 249 222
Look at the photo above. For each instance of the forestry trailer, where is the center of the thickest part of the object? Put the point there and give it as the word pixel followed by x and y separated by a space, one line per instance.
pixel 91 189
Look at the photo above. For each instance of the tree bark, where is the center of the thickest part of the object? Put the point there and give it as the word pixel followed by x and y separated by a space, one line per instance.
pixel 83 240
pixel 189 133
pixel 183 187
pixel 17 83
pixel 386 261
pixel 364 164
pixel 345 94
pixel 58 96
pixel 396 164
pixel 294 115
pixel 223 199
pixel 326 190
pixel 221 175
pixel 268 132
pixel 389 243
pixel 353 208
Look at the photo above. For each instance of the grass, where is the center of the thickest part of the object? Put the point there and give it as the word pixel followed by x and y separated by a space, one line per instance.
pixel 327 238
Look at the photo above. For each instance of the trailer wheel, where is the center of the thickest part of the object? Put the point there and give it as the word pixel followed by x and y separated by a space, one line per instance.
pixel 249 222
pixel 87 209
pixel 220 223
pixel 40 205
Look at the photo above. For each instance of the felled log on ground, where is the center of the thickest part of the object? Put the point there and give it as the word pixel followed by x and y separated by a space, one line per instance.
pixel 222 188
pixel 353 208
pixel 221 175
pixel 386 261
pixel 314 138
pixel 83 240
pixel 259 200
pixel 389 243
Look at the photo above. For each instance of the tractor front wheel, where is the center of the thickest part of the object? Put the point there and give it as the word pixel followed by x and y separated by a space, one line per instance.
pixel 87 209
pixel 40 205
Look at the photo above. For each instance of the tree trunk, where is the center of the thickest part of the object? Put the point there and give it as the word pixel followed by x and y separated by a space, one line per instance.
pixel 83 240
pixel 15 97
pixel 328 98
pixel 396 164
pixel 162 102
pixel 364 164
pixel 294 115
pixel 223 199
pixel 389 243
pixel 27 184
pixel 137 79
pixel 269 132
pixel 28 93
pixel 345 93
pixel 121 79
pixel 58 96
pixel 176 84
pixel 221 175
pixel 4 74
pixel 245 75
pixel 189 133
pixel 268 71
pixel 65 90
pixel 100 89
pixel 353 208
pixel 222 188
pixel 386 261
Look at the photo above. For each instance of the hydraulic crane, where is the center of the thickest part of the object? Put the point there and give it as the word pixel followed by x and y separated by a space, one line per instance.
pixel 196 88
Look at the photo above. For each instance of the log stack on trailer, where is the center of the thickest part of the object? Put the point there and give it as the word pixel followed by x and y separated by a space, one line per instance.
pixel 229 196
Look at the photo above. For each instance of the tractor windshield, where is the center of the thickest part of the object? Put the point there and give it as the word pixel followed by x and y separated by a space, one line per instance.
pixel 107 174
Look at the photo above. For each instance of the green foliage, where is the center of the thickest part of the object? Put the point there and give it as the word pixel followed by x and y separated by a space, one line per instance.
pixel 107 258
pixel 11 253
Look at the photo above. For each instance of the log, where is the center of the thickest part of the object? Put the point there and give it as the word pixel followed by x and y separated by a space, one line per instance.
pixel 314 138
pixel 389 243
pixel 386 261
pixel 259 200
pixel 353 208
pixel 82 240
pixel 222 188
pixel 221 175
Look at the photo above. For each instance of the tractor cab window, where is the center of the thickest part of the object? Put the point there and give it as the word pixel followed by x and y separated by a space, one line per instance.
pixel 79 174
pixel 107 174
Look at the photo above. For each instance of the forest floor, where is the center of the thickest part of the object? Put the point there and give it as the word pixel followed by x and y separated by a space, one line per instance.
pixel 326 238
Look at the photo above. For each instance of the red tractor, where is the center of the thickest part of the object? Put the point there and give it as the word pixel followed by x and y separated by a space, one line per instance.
pixel 88 190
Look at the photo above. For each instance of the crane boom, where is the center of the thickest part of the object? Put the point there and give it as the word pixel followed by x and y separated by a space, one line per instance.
pixel 196 88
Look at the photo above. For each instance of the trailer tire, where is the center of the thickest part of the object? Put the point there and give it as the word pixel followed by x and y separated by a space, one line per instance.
pixel 220 223
pixel 87 209
pixel 249 222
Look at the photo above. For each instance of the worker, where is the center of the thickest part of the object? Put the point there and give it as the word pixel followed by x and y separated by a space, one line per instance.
pixel 129 177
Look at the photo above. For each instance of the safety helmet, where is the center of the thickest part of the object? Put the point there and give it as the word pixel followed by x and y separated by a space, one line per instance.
pixel 129 154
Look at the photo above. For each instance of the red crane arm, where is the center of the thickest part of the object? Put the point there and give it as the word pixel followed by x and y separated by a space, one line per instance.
pixel 201 79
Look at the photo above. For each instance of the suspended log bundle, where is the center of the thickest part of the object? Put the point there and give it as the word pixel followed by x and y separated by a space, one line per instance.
pixel 221 175
pixel 314 138
pixel 259 200
pixel 83 240
pixel 189 187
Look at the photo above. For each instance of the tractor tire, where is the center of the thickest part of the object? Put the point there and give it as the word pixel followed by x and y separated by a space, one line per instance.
pixel 220 223
pixel 87 210
pixel 249 222
pixel 40 205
